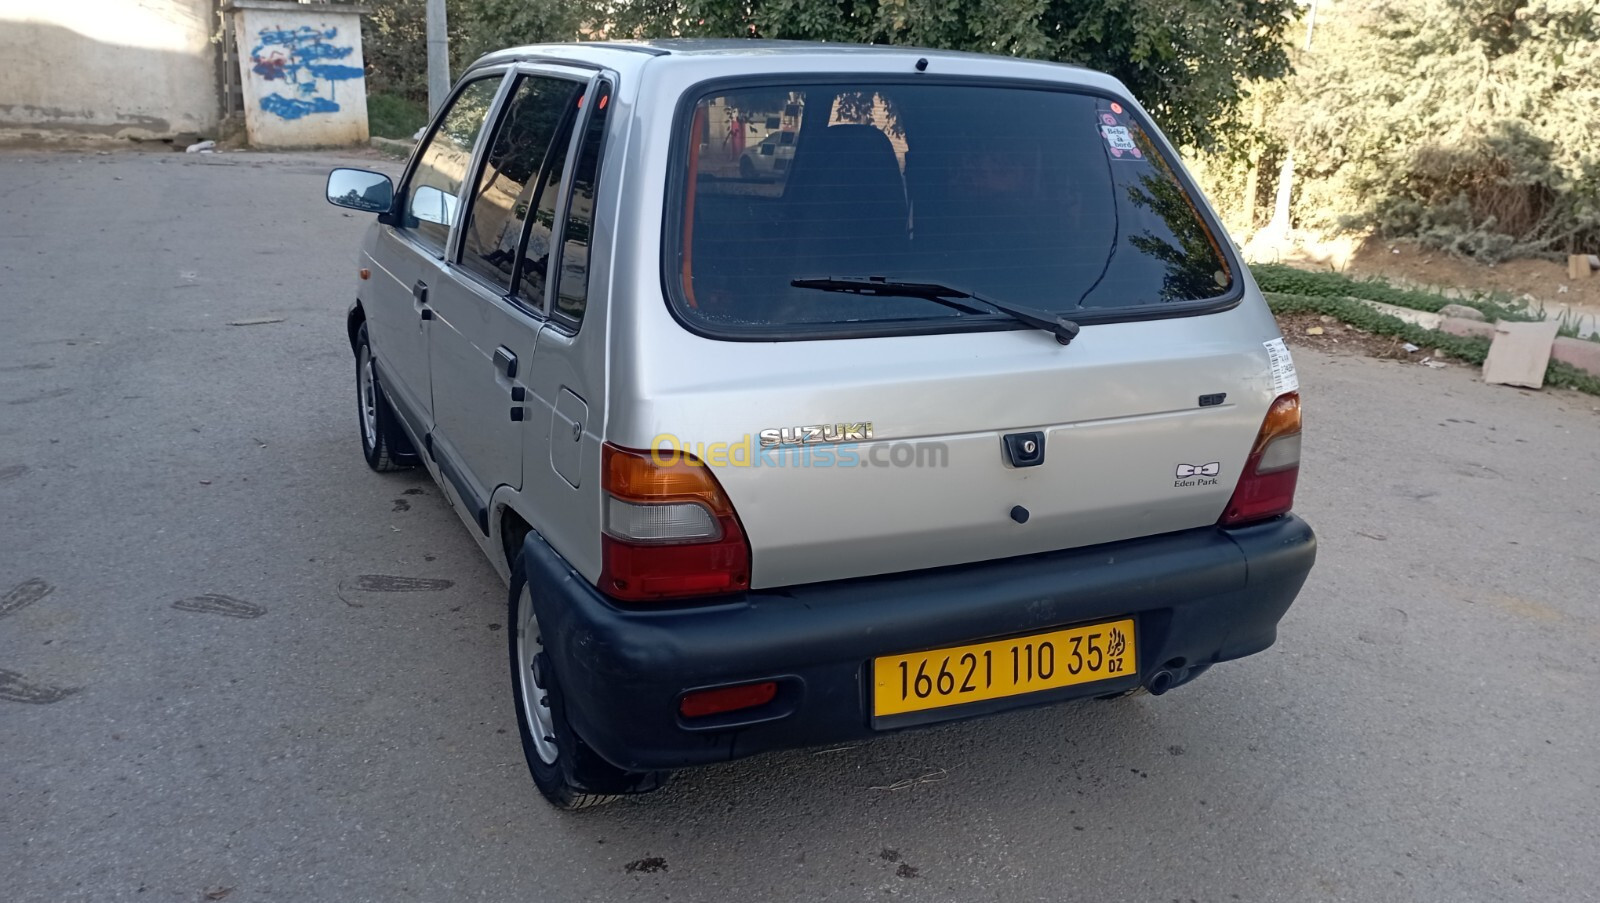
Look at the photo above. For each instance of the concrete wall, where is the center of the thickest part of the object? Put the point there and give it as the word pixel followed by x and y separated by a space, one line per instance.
pixel 112 68
pixel 302 73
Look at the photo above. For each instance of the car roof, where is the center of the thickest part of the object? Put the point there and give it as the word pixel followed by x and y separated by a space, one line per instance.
pixel 628 56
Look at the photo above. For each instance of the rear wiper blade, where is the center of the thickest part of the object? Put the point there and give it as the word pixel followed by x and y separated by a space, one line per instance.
pixel 1062 328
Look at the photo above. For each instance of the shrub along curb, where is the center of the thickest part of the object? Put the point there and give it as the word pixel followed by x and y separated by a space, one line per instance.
pixel 1287 280
pixel 1572 366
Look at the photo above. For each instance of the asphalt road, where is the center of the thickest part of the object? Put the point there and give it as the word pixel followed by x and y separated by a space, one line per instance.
pixel 199 691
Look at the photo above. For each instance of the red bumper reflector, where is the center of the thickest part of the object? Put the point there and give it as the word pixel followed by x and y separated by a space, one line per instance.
pixel 701 703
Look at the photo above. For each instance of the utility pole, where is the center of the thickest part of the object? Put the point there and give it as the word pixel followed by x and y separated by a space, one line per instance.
pixel 438 56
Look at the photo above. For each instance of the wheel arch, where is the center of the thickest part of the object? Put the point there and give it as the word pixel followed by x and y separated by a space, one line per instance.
pixel 513 529
pixel 353 322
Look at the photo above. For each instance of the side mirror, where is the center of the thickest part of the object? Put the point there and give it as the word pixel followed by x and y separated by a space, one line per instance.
pixel 358 189
pixel 430 205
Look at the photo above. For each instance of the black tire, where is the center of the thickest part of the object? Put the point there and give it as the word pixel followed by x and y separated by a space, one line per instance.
pixel 747 169
pixel 577 778
pixel 383 442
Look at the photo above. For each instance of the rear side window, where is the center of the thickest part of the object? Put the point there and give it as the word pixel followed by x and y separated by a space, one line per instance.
pixel 572 292
pixel 435 183
pixel 536 250
pixel 1041 197
pixel 535 121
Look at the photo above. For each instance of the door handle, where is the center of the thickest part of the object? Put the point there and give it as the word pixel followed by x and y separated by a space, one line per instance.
pixel 505 360
pixel 419 294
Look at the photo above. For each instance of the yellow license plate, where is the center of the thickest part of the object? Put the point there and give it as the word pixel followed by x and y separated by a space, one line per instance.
pixel 1027 664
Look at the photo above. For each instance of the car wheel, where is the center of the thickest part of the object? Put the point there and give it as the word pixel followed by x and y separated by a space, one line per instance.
pixel 382 443
pixel 564 768
pixel 747 170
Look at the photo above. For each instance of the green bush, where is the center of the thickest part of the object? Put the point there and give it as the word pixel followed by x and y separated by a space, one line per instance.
pixel 389 116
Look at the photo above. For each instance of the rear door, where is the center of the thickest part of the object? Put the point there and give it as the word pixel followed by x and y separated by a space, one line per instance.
pixel 859 432
pixel 492 302
pixel 408 258
pixel 1129 448
pixel 566 407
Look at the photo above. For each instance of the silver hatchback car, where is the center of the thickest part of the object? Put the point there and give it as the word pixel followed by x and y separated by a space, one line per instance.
pixel 970 406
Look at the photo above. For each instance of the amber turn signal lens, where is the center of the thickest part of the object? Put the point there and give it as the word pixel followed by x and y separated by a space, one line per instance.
pixel 654 477
pixel 1282 419
pixel 365 273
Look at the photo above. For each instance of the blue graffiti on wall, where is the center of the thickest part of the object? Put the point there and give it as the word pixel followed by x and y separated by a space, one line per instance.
pixel 302 58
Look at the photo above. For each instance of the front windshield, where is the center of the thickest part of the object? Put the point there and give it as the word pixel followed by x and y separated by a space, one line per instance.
pixel 1046 198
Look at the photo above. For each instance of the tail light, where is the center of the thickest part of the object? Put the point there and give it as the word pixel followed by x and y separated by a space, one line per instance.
pixel 669 529
pixel 1267 487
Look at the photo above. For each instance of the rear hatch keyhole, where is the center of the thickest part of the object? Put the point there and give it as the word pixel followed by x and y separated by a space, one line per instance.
pixel 1024 449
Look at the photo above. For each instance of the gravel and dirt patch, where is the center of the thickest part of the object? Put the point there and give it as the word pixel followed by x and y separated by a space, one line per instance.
pixel 1409 264
pixel 1326 333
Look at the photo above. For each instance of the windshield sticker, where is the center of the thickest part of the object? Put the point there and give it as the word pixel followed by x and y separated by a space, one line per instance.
pixel 1120 141
pixel 1284 378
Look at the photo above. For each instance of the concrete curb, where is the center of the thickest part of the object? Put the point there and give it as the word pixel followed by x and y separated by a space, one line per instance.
pixel 1407 315
pixel 1579 353
pixel 1467 329
pixel 393 147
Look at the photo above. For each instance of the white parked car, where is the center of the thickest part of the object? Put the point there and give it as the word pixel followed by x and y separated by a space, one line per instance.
pixel 768 157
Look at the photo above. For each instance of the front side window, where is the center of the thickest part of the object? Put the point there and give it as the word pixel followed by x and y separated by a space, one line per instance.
pixel 535 121
pixel 1045 198
pixel 443 165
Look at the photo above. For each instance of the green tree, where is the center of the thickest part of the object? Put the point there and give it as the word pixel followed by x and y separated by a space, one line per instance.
pixel 395 36
pixel 1469 125
pixel 1186 60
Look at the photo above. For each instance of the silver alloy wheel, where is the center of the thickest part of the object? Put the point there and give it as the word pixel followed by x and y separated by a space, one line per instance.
pixel 535 701
pixel 369 398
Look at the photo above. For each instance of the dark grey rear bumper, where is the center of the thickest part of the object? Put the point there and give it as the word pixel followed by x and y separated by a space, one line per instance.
pixel 1199 597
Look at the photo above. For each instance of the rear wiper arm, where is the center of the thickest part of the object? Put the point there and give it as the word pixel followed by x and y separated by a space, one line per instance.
pixel 1063 329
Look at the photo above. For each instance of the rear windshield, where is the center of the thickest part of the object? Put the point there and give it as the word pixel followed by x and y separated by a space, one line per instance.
pixel 1045 198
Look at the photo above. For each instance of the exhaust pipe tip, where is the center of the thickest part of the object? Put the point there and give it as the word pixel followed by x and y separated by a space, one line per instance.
pixel 1160 682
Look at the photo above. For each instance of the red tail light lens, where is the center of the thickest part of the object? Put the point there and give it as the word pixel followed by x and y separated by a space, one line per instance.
pixel 701 703
pixel 670 531
pixel 1266 489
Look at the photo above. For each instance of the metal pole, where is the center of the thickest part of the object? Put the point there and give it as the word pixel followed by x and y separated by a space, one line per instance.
pixel 438 56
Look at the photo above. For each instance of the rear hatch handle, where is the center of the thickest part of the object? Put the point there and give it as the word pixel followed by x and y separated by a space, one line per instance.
pixel 1062 328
